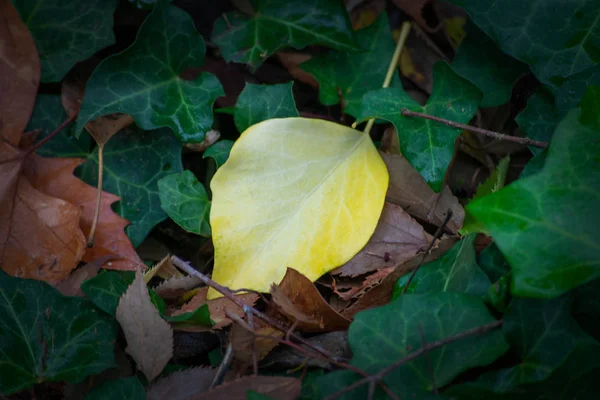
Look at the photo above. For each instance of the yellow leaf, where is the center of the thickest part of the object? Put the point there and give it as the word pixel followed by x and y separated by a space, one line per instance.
pixel 295 192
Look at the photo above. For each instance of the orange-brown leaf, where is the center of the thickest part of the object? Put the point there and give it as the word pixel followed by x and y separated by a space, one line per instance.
pixel 55 177
pixel 19 74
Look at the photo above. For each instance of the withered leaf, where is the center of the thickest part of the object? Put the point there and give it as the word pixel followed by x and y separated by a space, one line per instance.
pixel 177 286
pixel 263 340
pixel 71 286
pixel 397 239
pixel 149 337
pixel 276 387
pixel 181 385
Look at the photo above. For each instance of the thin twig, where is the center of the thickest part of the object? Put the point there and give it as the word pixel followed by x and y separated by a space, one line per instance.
pixel 437 235
pixel 223 367
pixel 415 354
pixel 90 242
pixel 485 132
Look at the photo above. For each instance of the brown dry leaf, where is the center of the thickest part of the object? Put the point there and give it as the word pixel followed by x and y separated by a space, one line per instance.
pixel 163 269
pixel 19 74
pixel 305 298
pixel 414 8
pixel 181 385
pixel 276 387
pixel 72 285
pixel 242 340
pixel 40 236
pixel 219 308
pixel 149 337
pixel 210 138
pixel 382 293
pixel 54 176
pixel 175 287
pixel 73 85
pixel 364 13
pixel 397 239
pixel 291 61
pixel 356 291
pixel 408 189
pixel 104 127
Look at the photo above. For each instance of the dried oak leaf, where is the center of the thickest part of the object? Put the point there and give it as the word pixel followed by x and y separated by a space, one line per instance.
pixel 149 337
pixel 55 177
pixel 181 385
pixel 219 308
pixel 276 387
pixel 355 291
pixel 297 298
pixel 40 236
pixel 245 343
pixel 397 239
pixel 19 74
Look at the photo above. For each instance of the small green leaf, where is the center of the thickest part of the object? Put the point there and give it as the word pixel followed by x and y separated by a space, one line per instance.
pixel 219 151
pixel 480 61
pixel 134 161
pixel 200 316
pixel 492 262
pixel 66 32
pixel 258 103
pixel 277 24
pixel 428 145
pixel 185 200
pixel 539 119
pixel 556 38
pixel 381 336
pixel 48 337
pixel 47 115
pixel 350 75
pixel 145 80
pixel 455 271
pixel 550 235
pixel 118 389
pixel 252 395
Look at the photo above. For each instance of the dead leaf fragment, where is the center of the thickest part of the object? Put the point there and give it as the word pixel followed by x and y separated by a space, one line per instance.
pixel 175 287
pixel 357 290
pixel 397 239
pixel 149 337
pixel 19 74
pixel 55 177
pixel 276 387
pixel 105 126
pixel 245 342
pixel 292 60
pixel 164 269
pixel 182 385
pixel 305 298
pixel 72 285
pixel 414 8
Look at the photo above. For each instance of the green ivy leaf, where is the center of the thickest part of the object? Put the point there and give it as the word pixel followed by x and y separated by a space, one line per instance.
pixel 200 316
pixel 277 24
pixel 66 32
pixel 145 80
pixel 134 161
pixel 320 387
pixel 498 295
pixel 219 151
pixel 185 200
pixel 351 75
pixel 118 389
pixel 455 271
pixel 586 307
pixel 481 62
pixel 539 119
pixel 428 145
pixel 47 115
pixel 381 336
pixel 48 337
pixel 571 91
pixel 258 103
pixel 556 38
pixel 550 236
pixel 492 262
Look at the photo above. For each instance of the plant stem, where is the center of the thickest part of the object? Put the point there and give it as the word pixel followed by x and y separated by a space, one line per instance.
pixel 392 67
pixel 428 347
pixel 90 242
pixel 485 132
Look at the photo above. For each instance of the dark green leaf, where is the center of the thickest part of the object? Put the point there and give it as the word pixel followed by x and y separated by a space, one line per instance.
pixel 252 395
pixel 134 161
pixel 258 103
pixel 277 24
pixel 556 38
pixel 381 336
pixel 428 145
pixel 66 32
pixel 586 307
pixel 455 271
pixel 185 200
pixel 144 80
pixel 571 92
pixel 534 165
pixel 492 262
pixel 498 295
pixel 106 288
pixel 119 389
pixel 47 115
pixel 539 119
pixel 201 316
pixel 350 75
pixel 45 336
pixel 320 387
pixel 219 151
pixel 547 224
pixel 480 61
